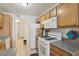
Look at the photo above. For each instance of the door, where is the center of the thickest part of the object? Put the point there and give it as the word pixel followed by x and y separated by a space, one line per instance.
pixel 21 30
pixel 67 14
pixel 21 34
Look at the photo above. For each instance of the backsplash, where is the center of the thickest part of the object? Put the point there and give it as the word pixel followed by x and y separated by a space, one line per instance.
pixel 65 30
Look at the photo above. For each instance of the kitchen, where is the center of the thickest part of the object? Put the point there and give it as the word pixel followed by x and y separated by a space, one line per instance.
pixel 59 30
pixel 54 32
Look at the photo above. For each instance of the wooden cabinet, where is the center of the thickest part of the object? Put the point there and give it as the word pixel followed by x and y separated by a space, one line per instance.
pixel 42 18
pixel 7 25
pixel 2 45
pixel 55 51
pixel 47 15
pixel 1 20
pixel 10 31
pixel 7 28
pixel 53 12
pixel 67 14
pixel 38 20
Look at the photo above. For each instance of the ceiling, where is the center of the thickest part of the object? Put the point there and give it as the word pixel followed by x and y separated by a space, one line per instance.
pixel 33 9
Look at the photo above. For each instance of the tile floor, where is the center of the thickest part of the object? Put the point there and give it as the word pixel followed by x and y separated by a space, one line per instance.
pixel 23 49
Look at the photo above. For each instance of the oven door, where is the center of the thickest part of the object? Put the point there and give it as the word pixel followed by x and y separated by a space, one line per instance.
pixel 43 49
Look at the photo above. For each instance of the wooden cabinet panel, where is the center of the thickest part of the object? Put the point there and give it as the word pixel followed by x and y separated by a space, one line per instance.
pixel 53 12
pixel 42 18
pixel 57 51
pixel 38 20
pixel 1 20
pixel 6 29
pixel 47 15
pixel 2 45
pixel 54 53
pixel 10 32
pixel 67 14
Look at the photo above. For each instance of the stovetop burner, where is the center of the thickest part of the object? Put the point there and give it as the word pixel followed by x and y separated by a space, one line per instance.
pixel 51 38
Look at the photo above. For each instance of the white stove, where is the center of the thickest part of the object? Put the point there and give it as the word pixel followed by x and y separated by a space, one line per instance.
pixel 44 43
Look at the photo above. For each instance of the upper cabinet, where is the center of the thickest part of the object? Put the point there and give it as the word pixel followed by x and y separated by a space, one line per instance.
pixel 53 12
pixel 6 29
pixel 67 14
pixel 1 20
pixel 42 18
pixel 47 15
pixel 38 20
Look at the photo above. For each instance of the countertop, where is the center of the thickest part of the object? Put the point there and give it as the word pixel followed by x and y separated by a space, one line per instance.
pixel 3 37
pixel 8 52
pixel 67 46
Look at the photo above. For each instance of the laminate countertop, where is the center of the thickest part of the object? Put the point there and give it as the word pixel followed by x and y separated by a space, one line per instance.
pixel 68 46
pixel 3 38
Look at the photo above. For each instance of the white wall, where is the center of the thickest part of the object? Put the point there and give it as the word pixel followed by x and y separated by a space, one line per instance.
pixel 27 18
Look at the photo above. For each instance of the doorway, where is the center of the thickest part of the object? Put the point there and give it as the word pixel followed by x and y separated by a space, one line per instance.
pixel 21 31
pixel 21 41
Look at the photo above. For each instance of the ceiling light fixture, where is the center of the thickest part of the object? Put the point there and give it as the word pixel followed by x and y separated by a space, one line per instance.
pixel 24 4
pixel 17 21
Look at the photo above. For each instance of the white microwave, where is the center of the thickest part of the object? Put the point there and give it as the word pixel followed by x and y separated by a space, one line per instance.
pixel 50 23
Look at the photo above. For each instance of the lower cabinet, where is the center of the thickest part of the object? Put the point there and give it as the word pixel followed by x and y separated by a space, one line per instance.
pixel 55 51
pixel 2 45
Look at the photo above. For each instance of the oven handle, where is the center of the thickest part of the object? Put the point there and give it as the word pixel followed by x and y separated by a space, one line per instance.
pixel 43 44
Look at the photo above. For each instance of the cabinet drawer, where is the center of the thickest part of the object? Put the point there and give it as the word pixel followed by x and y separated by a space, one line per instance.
pixel 54 53
pixel 60 51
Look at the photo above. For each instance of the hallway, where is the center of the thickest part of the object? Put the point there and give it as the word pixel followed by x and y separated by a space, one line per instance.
pixel 22 49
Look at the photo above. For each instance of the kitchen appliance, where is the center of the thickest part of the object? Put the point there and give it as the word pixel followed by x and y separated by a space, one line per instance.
pixel 44 43
pixel 50 23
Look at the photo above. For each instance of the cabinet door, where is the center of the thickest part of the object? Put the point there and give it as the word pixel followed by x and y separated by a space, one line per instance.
pixel 53 12
pixel 67 14
pixel 10 28
pixel 6 29
pixel 1 20
pixel 38 20
pixel 42 18
pixel 47 16
pixel 56 51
